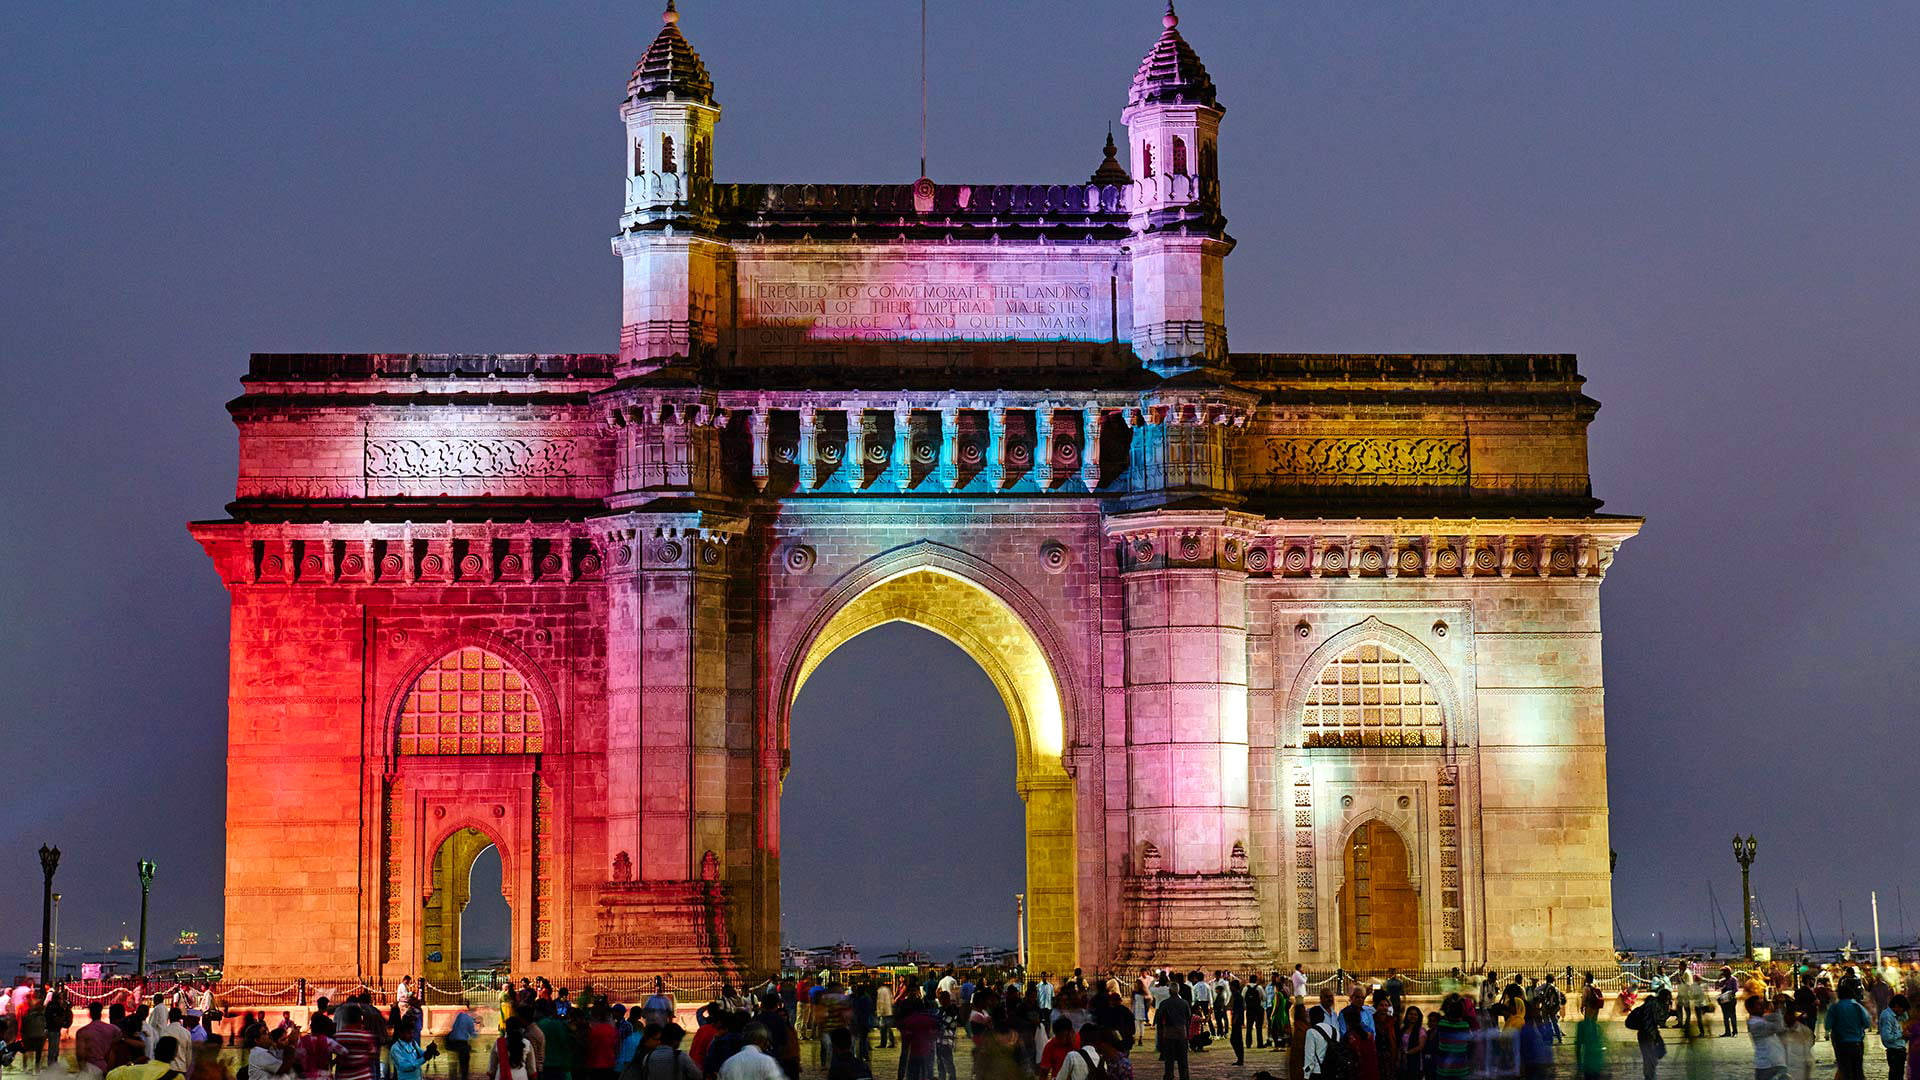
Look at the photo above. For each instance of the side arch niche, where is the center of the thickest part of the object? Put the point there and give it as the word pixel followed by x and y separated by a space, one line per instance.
pixel 449 890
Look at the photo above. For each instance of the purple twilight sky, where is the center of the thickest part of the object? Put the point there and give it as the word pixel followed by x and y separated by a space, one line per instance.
pixel 1713 205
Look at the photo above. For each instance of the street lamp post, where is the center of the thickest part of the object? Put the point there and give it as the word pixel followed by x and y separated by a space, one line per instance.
pixel 55 939
pixel 49 862
pixel 1743 853
pixel 146 887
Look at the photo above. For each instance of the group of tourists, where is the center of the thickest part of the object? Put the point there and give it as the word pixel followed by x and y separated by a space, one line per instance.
pixel 1786 1010
pixel 1485 1027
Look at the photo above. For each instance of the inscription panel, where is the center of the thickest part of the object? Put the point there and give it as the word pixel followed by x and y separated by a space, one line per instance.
pixel 882 296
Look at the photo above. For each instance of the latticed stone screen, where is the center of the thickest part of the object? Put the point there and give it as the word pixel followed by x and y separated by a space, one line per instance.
pixel 1372 696
pixel 471 702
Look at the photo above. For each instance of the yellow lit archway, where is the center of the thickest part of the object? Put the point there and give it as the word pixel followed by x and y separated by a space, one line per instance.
pixel 990 632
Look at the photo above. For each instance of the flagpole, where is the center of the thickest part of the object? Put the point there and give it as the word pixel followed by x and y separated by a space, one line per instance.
pixel 923 87
pixel 1875 896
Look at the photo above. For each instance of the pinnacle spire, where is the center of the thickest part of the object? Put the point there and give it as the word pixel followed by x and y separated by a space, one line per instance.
pixel 1110 170
pixel 1171 73
pixel 670 65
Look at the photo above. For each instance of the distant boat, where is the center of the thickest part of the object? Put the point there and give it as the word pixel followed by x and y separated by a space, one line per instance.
pixel 983 956
pixel 838 956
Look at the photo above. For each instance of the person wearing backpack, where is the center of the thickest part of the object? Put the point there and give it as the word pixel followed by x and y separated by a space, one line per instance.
pixel 1645 1021
pixel 1357 1057
pixel 1114 1062
pixel 1084 1062
pixel 1318 1060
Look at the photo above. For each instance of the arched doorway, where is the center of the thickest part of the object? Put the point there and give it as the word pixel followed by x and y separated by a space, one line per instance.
pixel 901 779
pixel 452 885
pixel 1380 923
pixel 996 638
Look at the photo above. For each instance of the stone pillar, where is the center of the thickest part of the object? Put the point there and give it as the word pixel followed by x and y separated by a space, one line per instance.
pixel 1043 445
pixel 902 462
pixel 995 469
pixel 805 456
pixel 1185 672
pixel 948 467
pixel 1090 447
pixel 668 757
pixel 857 448
pixel 757 439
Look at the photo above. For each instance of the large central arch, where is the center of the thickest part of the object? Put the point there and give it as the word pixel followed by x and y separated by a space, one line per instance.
pixel 940 596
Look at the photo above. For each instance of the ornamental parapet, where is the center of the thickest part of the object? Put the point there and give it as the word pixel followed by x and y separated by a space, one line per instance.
pixel 1515 549
pixel 402 553
pixel 356 367
pixel 833 209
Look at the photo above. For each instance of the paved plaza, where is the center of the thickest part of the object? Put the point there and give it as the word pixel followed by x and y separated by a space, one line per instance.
pixel 1710 1058
pixel 1687 1059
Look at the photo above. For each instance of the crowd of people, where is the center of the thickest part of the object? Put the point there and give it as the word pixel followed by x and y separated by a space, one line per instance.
pixel 1483 1027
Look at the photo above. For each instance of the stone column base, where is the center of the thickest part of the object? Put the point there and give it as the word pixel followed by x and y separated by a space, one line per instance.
pixel 1203 922
pixel 678 929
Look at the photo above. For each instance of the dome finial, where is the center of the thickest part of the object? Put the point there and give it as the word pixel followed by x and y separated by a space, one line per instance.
pixel 1171 73
pixel 672 14
pixel 1110 170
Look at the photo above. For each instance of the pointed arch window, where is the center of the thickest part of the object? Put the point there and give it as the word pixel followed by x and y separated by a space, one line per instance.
pixel 471 702
pixel 1146 158
pixel 1179 156
pixel 1371 695
pixel 667 163
pixel 639 158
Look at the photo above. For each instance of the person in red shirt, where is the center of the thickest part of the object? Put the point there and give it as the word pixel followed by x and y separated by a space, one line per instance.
pixel 93 1043
pixel 1055 1053
pixel 359 1047
pixel 602 1045
pixel 919 1030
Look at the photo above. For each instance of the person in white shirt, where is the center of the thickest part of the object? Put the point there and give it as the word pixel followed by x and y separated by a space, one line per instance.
pixel 403 994
pixel 265 1060
pixel 1798 1041
pixel 1320 1038
pixel 1766 1027
pixel 182 1040
pixel 1299 986
pixel 752 1062
pixel 1080 1064
pixel 156 1023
